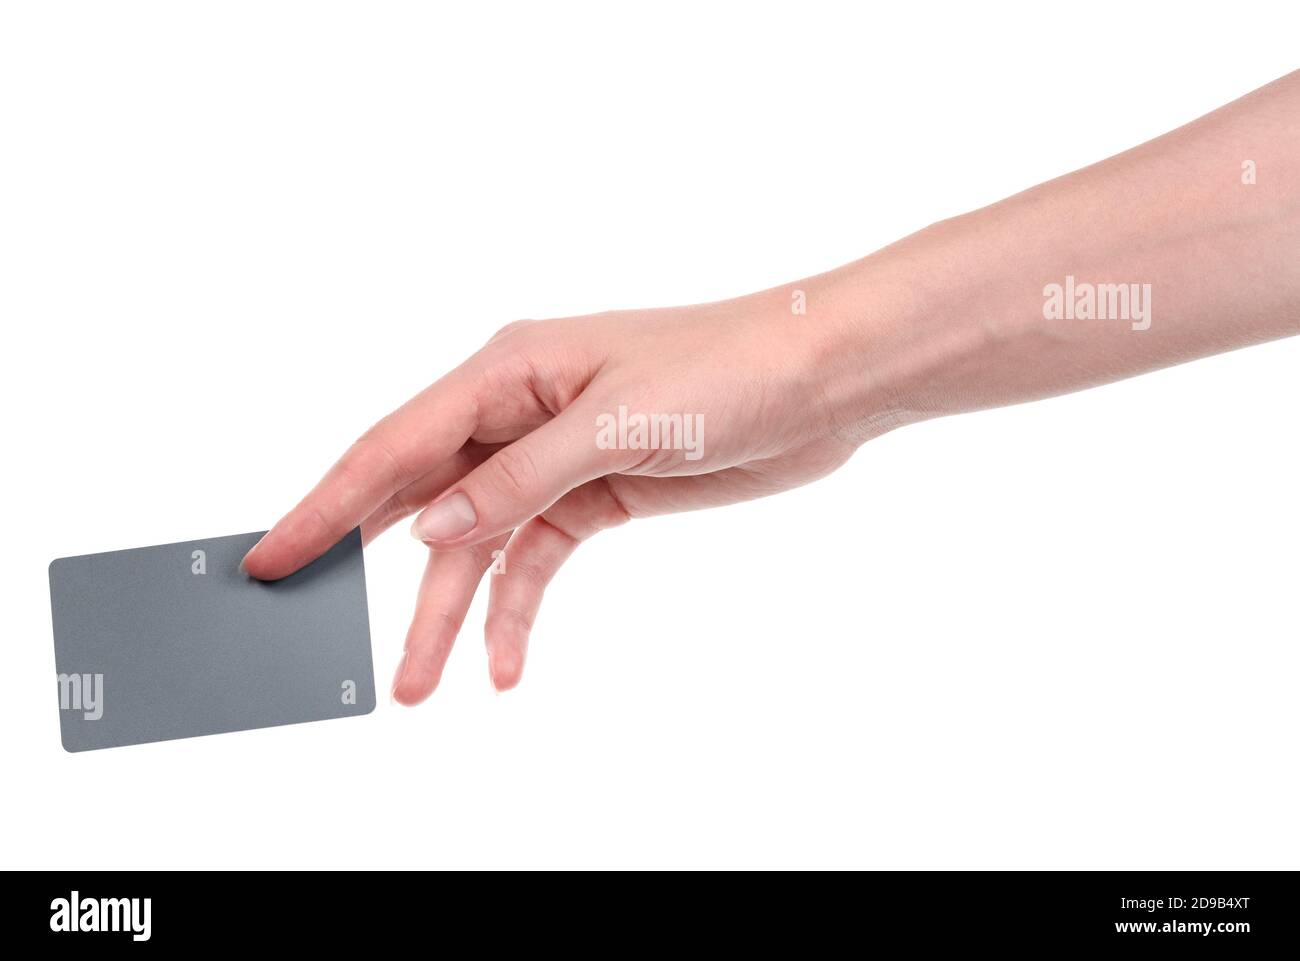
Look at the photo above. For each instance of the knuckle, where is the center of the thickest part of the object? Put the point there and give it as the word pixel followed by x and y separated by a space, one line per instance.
pixel 615 508
pixel 507 620
pixel 353 470
pixel 327 527
pixel 515 472
pixel 535 575
pixel 449 621
pixel 509 328
pixel 375 455
pixel 481 554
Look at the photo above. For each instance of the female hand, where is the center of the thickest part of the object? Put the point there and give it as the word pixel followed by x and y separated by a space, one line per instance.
pixel 531 446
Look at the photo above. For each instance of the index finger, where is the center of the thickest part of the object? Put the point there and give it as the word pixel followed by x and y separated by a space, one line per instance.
pixel 398 450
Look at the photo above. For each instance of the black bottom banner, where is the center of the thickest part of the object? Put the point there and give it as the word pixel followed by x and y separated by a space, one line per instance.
pixel 1227 912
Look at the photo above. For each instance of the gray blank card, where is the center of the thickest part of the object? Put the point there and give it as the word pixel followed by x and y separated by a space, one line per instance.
pixel 175 641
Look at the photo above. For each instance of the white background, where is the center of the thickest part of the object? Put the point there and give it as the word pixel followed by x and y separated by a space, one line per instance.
pixel 232 235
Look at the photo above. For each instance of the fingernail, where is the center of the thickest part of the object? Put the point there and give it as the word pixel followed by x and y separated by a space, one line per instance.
pixel 447 519
pixel 397 678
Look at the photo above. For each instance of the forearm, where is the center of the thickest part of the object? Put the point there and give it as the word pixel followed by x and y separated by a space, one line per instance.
pixel 1159 255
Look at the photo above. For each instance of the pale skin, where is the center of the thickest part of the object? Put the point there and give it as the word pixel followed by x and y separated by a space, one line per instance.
pixel 501 453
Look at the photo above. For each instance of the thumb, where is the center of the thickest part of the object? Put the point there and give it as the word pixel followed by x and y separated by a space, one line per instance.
pixel 519 481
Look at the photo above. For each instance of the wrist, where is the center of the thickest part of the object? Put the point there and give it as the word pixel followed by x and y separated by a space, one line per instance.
pixel 863 346
pixel 902 336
